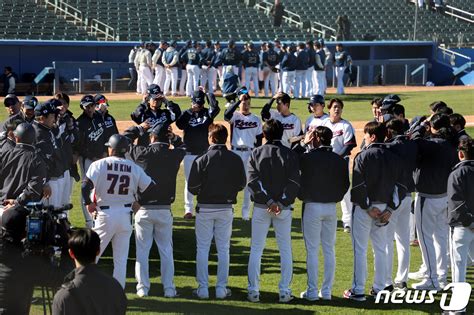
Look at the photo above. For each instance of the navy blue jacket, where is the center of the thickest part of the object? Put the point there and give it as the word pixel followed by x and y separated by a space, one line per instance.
pixel 288 63
pixel 302 60
pixel 250 59
pixel 230 57
pixel 407 152
pixel 461 194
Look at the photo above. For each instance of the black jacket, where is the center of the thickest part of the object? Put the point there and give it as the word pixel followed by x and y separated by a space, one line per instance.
pixel 110 126
pixel 324 176
pixel 91 142
pixel 461 194
pixel 160 163
pixel 89 291
pixel 16 119
pixel 273 174
pixel 407 152
pixel 195 126
pixel 22 174
pixel 374 177
pixel 217 176
pixel 69 135
pixel 49 148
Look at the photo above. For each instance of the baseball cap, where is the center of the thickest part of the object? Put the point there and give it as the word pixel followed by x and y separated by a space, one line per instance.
pixel 10 100
pixel 231 42
pixel 159 129
pixel 30 102
pixel 55 102
pixel 46 108
pixel 389 101
pixel 154 91
pixel 87 100
pixel 316 99
pixel 101 99
pixel 173 43
pixel 270 45
pixel 198 97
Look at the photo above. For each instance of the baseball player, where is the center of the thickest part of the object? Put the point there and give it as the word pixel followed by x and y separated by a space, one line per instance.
pixel 340 60
pixel 291 123
pixel 302 64
pixel 375 196
pixel 131 59
pixel 319 74
pixel 246 134
pixel 150 111
pixel 195 123
pixel 230 56
pixel 136 63
pixel 154 219
pixel 102 107
pixel 309 71
pixel 12 104
pixel 437 157
pixel 324 181
pixel 158 64
pixel 399 227
pixel 192 58
pixel 207 68
pixel 114 181
pixel 25 114
pixel 274 182
pixel 144 68
pixel 182 68
pixel 327 62
pixel 271 60
pixel 214 212
pixel 458 122
pixel 343 141
pixel 316 106
pixel 288 66
pixel 250 62
pixel 461 210
pixel 170 61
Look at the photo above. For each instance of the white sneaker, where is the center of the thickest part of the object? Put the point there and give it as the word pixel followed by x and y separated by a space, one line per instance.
pixel 285 297
pixel 324 297
pixel 304 295
pixel 142 293
pixel 253 296
pixel 226 294
pixel 426 284
pixel 418 275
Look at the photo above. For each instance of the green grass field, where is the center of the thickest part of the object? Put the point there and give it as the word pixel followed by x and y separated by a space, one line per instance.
pixel 357 108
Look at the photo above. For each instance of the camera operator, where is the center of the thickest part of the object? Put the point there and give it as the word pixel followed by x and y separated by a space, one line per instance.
pixel 22 177
pixel 88 290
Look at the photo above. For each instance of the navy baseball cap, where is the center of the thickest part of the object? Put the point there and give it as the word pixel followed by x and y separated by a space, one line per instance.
pixel 173 43
pixel 154 91
pixel 46 108
pixel 389 101
pixel 55 102
pixel 160 129
pixel 316 99
pixel 10 100
pixel 199 97
pixel 87 100
pixel 231 42
pixel 30 102
pixel 101 99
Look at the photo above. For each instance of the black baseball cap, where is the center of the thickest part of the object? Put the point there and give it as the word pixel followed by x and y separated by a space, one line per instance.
pixel 389 101
pixel 154 91
pixel 160 129
pixel 316 99
pixel 10 100
pixel 30 102
pixel 199 97
pixel 46 108
pixel 87 100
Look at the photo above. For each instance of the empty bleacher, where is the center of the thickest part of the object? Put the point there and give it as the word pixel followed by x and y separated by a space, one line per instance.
pixel 23 19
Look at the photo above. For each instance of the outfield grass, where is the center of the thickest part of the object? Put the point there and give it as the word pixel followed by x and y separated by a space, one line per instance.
pixel 357 109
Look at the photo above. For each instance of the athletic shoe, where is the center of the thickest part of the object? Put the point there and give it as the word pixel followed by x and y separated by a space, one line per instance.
pixel 324 297
pixel 348 294
pixel 442 283
pixel 414 243
pixel 188 216
pixel 246 218
pixel 426 284
pixel 201 297
pixel 253 296
pixel 171 293
pixel 418 275
pixel 400 286
pixel 285 297
pixel 304 295
pixel 142 293
pixel 389 288
pixel 347 229
pixel 226 294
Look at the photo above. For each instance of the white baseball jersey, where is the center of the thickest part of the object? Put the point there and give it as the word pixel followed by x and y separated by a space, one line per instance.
pixel 245 129
pixel 291 125
pixel 342 134
pixel 313 122
pixel 116 181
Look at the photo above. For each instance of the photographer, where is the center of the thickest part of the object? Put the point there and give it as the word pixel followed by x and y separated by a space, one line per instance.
pixel 88 290
pixel 22 176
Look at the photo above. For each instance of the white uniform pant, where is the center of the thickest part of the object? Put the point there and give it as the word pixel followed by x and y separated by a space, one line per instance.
pixel 217 224
pixel 461 243
pixel 251 75
pixel 115 225
pixel 171 78
pixel 84 166
pixel 245 156
pixel 433 231
pixel 207 77
pixel 218 76
pixel 271 81
pixel 146 78
pixel 261 221
pixel 399 229
pixel 139 82
pixel 182 82
pixel 287 80
pixel 193 72
pixel 67 188
pixel 319 223
pixel 340 76
pixel 309 82
pixel 188 197
pixel 56 197
pixel 154 224
pixel 320 80
pixel 300 83
pixel 159 76
pixel 346 204
pixel 363 228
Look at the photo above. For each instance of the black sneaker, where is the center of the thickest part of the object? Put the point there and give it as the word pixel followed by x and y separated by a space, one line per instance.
pixel 389 288
pixel 401 286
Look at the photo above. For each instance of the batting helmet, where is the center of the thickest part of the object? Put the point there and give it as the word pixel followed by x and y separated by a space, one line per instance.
pixel 316 99
pixel 119 143
pixel 25 133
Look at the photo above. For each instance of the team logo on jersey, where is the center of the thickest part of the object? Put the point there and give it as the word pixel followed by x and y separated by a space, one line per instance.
pixel 241 124
pixel 337 133
pixel 95 135
pixel 288 126
pixel 196 121
pixel 109 123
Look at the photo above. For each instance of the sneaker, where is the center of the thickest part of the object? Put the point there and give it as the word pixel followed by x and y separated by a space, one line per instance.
pixel 324 296
pixel 201 297
pixel 142 293
pixel 226 294
pixel 188 216
pixel 253 296
pixel 400 286
pixel 171 293
pixel 414 243
pixel 285 297
pixel 246 218
pixel 304 295
pixel 373 293
pixel 348 294
pixel 418 275
pixel 347 229
pixel 389 288
pixel 426 284
pixel 442 283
